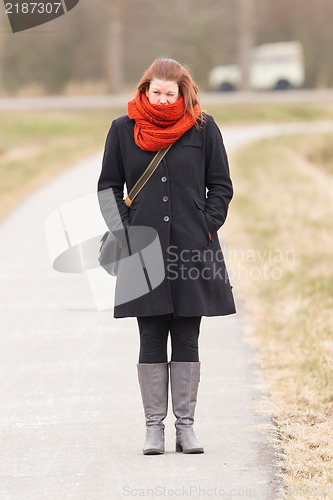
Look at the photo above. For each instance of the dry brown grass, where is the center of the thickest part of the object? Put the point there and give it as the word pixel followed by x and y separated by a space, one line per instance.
pixel 284 204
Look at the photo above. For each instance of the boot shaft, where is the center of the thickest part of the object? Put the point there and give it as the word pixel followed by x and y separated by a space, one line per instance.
pixel 154 384
pixel 184 379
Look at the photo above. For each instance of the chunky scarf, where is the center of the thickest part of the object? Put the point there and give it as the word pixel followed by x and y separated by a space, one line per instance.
pixel 159 125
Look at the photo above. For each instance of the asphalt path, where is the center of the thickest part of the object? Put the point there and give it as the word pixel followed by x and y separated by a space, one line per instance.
pixel 71 417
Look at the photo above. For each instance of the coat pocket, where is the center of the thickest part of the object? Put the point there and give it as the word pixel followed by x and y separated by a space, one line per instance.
pixel 201 205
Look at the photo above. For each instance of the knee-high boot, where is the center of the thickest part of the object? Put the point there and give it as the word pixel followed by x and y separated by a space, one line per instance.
pixel 184 378
pixel 154 381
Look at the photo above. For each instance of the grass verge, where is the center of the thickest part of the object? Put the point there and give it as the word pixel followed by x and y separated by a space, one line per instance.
pixel 240 114
pixel 280 225
pixel 35 146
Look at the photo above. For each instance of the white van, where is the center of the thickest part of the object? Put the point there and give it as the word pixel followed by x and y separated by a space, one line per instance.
pixel 274 66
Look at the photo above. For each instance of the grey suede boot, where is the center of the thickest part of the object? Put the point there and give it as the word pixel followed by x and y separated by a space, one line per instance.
pixel 153 380
pixel 184 378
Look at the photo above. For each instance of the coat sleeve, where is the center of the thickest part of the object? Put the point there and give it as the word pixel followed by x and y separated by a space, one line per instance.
pixel 110 187
pixel 218 182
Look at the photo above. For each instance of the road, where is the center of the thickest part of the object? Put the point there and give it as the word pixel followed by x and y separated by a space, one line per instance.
pixel 105 101
pixel 71 418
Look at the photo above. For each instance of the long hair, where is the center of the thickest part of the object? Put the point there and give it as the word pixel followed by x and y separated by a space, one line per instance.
pixel 169 69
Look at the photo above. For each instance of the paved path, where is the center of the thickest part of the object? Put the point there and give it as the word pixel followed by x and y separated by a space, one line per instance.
pixel 71 419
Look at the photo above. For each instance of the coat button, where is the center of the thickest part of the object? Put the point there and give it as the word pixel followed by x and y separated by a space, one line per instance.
pixel 166 218
pixel 165 198
pixel 163 179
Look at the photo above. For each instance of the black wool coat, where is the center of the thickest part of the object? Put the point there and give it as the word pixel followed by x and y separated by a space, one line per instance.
pixel 186 201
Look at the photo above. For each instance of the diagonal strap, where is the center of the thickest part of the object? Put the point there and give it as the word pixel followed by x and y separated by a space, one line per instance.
pixel 146 175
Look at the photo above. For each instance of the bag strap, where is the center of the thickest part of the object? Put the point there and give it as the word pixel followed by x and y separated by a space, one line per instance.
pixel 146 175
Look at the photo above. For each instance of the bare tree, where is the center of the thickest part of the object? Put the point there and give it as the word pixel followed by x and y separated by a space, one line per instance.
pixel 116 44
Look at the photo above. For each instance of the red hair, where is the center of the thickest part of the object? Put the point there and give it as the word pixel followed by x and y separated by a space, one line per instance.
pixel 169 69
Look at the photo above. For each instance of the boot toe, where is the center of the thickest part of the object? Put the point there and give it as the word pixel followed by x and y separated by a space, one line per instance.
pixel 187 442
pixel 154 444
pixel 153 451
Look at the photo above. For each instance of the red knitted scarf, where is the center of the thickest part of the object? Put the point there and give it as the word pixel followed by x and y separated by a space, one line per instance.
pixel 159 125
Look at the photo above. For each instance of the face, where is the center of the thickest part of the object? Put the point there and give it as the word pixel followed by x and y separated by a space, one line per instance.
pixel 162 91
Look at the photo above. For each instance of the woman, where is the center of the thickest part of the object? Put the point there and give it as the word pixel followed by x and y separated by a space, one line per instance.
pixel 164 112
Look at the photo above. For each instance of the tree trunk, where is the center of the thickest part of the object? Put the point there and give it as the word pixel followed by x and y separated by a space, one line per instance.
pixel 115 52
pixel 245 15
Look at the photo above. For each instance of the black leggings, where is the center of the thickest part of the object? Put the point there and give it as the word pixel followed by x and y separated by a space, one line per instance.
pixel 154 330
